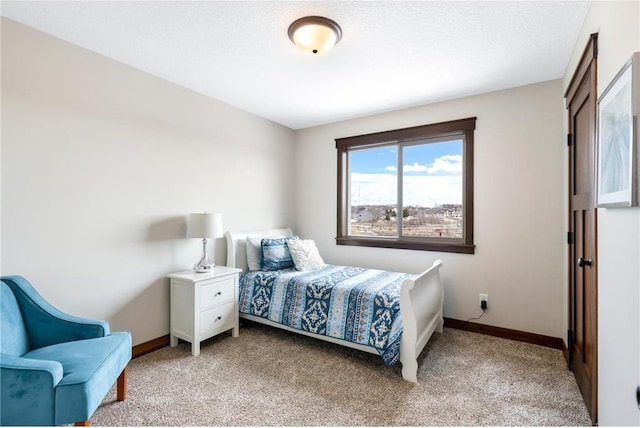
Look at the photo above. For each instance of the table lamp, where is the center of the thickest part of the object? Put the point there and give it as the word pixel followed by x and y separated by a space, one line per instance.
pixel 204 225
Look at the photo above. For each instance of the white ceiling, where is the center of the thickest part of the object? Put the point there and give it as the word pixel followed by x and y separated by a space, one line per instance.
pixel 393 54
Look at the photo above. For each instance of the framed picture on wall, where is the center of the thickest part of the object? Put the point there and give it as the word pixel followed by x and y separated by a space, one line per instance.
pixel 617 138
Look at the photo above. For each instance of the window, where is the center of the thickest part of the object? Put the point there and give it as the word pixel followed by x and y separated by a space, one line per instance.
pixel 408 188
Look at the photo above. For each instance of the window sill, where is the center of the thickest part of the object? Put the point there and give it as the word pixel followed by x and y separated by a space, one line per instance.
pixel 444 247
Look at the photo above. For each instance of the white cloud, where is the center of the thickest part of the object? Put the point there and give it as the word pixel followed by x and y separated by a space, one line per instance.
pixel 421 190
pixel 428 191
pixel 446 163
pixel 416 167
pixel 408 168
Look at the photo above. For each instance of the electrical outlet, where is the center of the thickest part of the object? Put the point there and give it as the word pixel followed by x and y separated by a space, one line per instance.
pixel 484 298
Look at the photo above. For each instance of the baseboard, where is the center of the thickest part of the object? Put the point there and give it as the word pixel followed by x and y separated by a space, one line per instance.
pixel 150 346
pixel 506 333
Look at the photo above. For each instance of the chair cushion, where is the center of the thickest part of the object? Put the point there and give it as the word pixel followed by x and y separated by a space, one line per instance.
pixel 14 340
pixel 90 368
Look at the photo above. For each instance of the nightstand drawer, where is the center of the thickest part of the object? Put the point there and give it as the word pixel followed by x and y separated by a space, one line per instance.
pixel 217 292
pixel 216 317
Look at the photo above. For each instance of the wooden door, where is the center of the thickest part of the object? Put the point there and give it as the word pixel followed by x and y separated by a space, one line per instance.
pixel 583 288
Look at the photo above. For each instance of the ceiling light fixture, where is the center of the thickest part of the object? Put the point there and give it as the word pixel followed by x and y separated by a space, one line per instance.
pixel 315 34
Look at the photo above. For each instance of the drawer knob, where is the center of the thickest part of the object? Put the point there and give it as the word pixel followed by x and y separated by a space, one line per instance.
pixel 218 293
pixel 218 319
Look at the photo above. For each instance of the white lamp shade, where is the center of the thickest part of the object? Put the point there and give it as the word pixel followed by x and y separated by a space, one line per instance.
pixel 315 38
pixel 204 225
pixel 315 34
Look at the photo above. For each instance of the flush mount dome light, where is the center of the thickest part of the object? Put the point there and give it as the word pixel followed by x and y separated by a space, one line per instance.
pixel 315 34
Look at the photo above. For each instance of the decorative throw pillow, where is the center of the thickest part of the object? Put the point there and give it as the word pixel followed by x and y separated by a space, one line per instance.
pixel 254 253
pixel 305 255
pixel 275 253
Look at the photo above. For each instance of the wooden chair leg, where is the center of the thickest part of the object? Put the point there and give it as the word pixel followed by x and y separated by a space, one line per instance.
pixel 122 385
pixel 82 424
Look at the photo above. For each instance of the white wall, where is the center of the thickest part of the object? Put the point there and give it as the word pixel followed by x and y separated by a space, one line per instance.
pixel 518 223
pixel 101 163
pixel 618 26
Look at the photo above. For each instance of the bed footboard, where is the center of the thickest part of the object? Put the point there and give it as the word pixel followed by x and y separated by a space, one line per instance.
pixel 421 301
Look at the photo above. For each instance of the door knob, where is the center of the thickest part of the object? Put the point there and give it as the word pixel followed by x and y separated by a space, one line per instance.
pixel 584 262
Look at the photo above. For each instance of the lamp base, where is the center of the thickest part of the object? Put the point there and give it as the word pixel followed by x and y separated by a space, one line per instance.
pixel 204 266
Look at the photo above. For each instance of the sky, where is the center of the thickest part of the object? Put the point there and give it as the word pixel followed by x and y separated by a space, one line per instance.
pixel 432 175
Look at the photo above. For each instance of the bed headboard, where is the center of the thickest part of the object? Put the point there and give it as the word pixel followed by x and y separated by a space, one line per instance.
pixel 237 241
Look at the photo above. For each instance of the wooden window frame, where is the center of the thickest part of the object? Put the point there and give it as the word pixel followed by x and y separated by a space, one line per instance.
pixel 453 128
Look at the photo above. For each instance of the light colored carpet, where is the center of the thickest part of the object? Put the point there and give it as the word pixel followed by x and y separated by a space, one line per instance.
pixel 268 377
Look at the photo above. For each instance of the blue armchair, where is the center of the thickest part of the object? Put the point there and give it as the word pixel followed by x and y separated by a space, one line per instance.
pixel 56 368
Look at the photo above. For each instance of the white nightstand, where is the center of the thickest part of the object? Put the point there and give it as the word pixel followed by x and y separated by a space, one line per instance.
pixel 203 305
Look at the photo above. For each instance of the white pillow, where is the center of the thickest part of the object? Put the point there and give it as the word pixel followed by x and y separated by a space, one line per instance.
pixel 254 253
pixel 305 254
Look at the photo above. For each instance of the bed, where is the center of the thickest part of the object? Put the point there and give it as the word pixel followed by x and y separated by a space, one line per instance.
pixel 400 333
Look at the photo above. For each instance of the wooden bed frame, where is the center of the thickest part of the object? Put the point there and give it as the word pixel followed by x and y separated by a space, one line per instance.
pixel 421 302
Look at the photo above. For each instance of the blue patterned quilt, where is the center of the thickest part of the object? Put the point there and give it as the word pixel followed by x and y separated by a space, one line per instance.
pixel 350 303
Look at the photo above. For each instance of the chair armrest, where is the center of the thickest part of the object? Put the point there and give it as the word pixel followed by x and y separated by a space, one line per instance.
pixel 47 325
pixel 27 390
pixel 49 371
